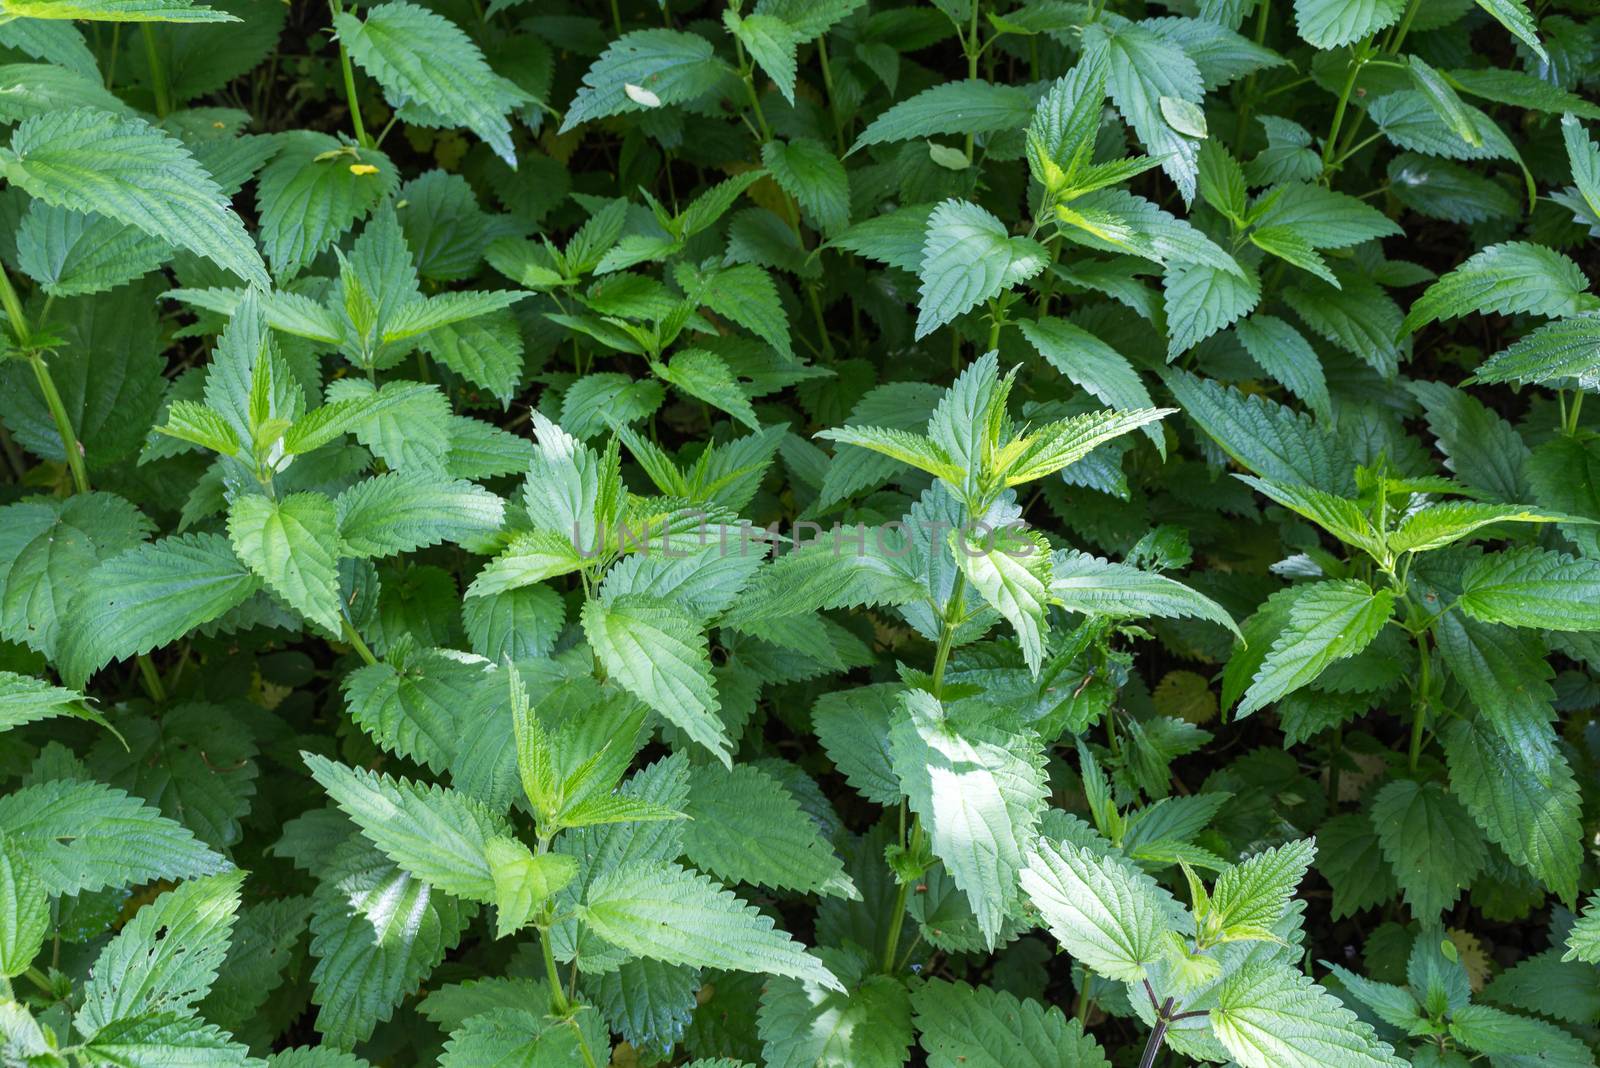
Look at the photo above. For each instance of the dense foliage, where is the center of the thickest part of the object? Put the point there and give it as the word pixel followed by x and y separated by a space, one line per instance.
pixel 978 533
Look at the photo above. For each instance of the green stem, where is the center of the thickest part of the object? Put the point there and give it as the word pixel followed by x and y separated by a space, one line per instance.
pixel 1354 72
pixel 558 996
pixel 970 43
pixel 352 636
pixel 1353 149
pixel 13 307
pixel 58 412
pixel 898 918
pixel 1419 706
pixel 616 17
pixel 1571 420
pixel 158 73
pixel 1392 46
pixel 1247 101
pixel 827 85
pixel 350 86
pixel 152 679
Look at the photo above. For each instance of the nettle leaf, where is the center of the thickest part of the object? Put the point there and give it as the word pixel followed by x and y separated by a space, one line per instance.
pixel 1531 587
pixel 1270 1016
pixel 400 512
pixel 745 827
pixel 167 957
pixel 1327 621
pixel 660 655
pixel 1567 348
pixel 1507 279
pixel 1429 841
pixel 1102 910
pixel 1143 69
pixel 1332 23
pixel 803 1025
pixel 1514 16
pixel 664 66
pixel 979 792
pixel 90 160
pixel 117 10
pixel 293 546
pixel 968 258
pixel 965 107
pixel 312 193
pixel 1583 942
pixel 808 171
pixel 966 1027
pixel 149 596
pixel 424 61
pixel 1083 583
pixel 667 913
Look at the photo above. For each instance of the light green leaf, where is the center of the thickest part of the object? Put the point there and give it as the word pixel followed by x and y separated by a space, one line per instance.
pixel 150 596
pixel 1328 621
pixel 968 257
pixel 1332 23
pixel 964 107
pixel 91 160
pixel 1583 941
pixel 771 42
pixel 399 512
pixel 1510 278
pixel 436 834
pixel 667 913
pixel 660 656
pixel 1439 525
pixel 1011 572
pixel 1105 912
pixel 116 10
pixel 166 958
pixel 293 546
pixel 803 1025
pixel 523 882
pixel 165 1040
pixel 24 912
pixel 1088 584
pixel 1270 1016
pixel 1514 16
pixel 1092 365
pixel 1256 892
pixel 979 792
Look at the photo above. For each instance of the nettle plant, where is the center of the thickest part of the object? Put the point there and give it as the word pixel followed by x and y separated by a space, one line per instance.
pixel 981 533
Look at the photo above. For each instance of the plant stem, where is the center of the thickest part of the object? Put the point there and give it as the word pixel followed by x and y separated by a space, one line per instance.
pixel 1356 61
pixel 352 636
pixel 1247 101
pixel 350 86
pixel 58 412
pixel 1570 423
pixel 158 73
pixel 827 84
pixel 152 679
pixel 13 307
pixel 1419 706
pixel 1157 1036
pixel 970 43
pixel 558 996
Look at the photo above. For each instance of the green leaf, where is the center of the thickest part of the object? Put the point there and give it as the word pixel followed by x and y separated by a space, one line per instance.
pixel 965 107
pixel 414 709
pixel 806 170
pixel 166 958
pixel 79 835
pixel 1094 366
pixel 1088 584
pixel 309 196
pixel 1514 277
pixel 1514 16
pixel 117 10
pixel 1531 587
pixel 24 912
pixel 660 656
pixel 1511 1040
pixel 293 546
pixel 1504 673
pixel 705 376
pixel 1057 445
pixel 70 253
pixel 1201 300
pixel 400 512
pixel 979 792
pixel 1328 621
pixel 746 828
pixel 1106 913
pixel 853 727
pixel 1264 437
pixel 1583 941
pixel 1358 316
pixel 804 1025
pixel 771 42
pixel 968 258
pixel 423 60
pixel 1444 101
pixel 438 835
pixel 671 66
pixel 1339 516
pixel 164 1040
pixel 1332 23
pixel 1429 841
pixel 664 912
pixel 1011 572
pixel 967 1027
pixel 1256 893
pixel 1481 448
pixel 1113 220
pixel 1142 69
pixel 1566 348
pixel 1522 794
pixel 1439 525
pixel 149 596
pixel 24 699
pixel 1270 1016
pixel 123 168
pixel 523 882
pixel 376 933
pixel 1585 160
